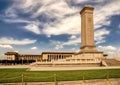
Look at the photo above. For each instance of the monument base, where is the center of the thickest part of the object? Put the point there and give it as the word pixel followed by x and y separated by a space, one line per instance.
pixel 88 48
pixel 87 57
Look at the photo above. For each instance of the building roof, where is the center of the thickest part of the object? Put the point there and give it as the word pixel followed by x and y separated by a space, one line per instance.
pixel 15 53
pixel 29 55
pixel 11 53
pixel 57 52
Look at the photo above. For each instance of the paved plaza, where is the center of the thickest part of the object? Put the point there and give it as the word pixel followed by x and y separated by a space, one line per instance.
pixel 56 68
pixel 69 68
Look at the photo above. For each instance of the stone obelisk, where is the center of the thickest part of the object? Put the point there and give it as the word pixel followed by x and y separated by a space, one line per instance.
pixel 88 49
pixel 87 30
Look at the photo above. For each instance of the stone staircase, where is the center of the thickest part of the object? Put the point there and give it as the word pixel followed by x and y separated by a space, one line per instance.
pixel 112 62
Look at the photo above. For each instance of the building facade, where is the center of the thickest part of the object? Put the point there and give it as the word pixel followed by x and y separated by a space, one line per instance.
pixel 48 56
pixel 56 55
pixel 11 55
pixel 17 56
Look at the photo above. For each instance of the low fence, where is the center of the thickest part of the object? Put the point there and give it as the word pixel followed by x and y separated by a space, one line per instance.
pixel 54 78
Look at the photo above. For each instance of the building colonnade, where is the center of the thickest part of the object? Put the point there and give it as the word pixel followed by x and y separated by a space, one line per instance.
pixel 57 56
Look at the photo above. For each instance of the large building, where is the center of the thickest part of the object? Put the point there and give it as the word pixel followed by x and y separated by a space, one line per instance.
pixel 17 56
pixel 48 56
pixel 11 55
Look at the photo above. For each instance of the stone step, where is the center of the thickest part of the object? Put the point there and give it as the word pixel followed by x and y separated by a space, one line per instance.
pixel 112 62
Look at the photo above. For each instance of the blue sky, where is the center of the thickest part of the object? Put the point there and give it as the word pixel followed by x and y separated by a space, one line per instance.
pixel 34 26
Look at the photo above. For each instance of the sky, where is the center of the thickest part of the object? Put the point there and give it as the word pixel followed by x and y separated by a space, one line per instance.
pixel 36 26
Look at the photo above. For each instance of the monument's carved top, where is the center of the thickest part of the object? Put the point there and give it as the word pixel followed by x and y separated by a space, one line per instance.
pixel 87 7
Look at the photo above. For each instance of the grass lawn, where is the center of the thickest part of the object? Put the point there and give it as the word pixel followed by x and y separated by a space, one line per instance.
pixel 15 75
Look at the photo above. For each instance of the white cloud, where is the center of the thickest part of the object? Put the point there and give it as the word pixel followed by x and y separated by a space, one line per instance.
pixel 57 47
pixel 104 12
pixel 58 10
pixel 75 50
pixel 33 48
pixel 6 46
pixel 73 41
pixel 107 48
pixel 16 51
pixel 110 50
pixel 11 12
pixel 33 27
pixel 16 20
pixel 73 37
pixel 70 25
pixel 100 35
pixel 60 45
pixel 111 53
pixel 118 31
pixel 10 41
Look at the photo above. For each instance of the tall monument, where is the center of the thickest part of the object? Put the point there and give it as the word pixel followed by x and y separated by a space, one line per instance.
pixel 88 48
pixel 87 30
